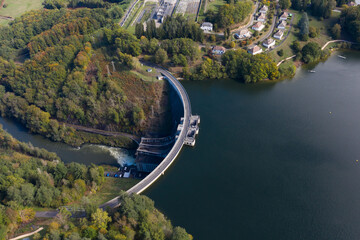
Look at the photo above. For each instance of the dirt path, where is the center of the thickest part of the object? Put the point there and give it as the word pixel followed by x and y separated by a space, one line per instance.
pixel 103 132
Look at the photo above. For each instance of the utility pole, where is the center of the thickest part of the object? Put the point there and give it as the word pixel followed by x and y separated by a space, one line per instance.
pixel 113 65
pixel 108 70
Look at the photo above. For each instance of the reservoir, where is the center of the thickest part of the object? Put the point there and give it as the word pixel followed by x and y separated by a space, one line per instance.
pixel 272 160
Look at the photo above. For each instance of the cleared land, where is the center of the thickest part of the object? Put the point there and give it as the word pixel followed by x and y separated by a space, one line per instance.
pixel 15 8
pixel 111 189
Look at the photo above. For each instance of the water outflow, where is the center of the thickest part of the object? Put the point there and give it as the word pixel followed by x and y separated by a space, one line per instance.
pixel 87 154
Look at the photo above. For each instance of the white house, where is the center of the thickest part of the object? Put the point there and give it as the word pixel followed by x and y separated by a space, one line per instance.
pixel 264 9
pixel 255 50
pixel 262 17
pixel 284 16
pixel 207 26
pixel 245 33
pixel 282 24
pixel 268 43
pixel 279 34
pixel 218 50
pixel 258 26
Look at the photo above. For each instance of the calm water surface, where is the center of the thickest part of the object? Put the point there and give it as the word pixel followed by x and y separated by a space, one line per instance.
pixel 272 161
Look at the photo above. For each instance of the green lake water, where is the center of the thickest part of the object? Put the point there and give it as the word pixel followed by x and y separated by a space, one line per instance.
pixel 272 161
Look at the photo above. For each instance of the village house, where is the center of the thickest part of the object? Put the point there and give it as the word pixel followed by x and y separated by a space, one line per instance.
pixel 279 34
pixel 255 50
pixel 262 17
pixel 352 3
pixel 268 43
pixel 264 9
pixel 284 16
pixel 218 50
pixel 207 26
pixel 282 25
pixel 245 33
pixel 258 26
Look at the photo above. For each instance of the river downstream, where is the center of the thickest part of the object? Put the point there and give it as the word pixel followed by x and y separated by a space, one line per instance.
pixel 87 154
pixel 273 160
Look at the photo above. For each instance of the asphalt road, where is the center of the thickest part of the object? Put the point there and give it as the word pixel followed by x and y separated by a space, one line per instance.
pixel 268 34
pixel 128 13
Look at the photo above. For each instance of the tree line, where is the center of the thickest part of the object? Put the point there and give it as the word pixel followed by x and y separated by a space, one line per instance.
pixel 171 28
pixel 237 65
pixel 229 14
pixel 350 21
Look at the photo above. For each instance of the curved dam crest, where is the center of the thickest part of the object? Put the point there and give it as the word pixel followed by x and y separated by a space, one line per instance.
pixel 175 150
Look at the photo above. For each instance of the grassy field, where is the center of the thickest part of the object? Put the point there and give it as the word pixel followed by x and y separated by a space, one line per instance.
pixel 210 4
pixel 16 8
pixel 214 4
pixel 111 188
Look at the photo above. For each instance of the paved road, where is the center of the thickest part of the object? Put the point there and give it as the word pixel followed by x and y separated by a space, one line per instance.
pixel 268 34
pixel 288 33
pixel 128 13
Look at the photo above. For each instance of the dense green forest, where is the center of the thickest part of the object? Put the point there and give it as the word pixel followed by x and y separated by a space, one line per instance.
pixel 237 65
pixel 319 8
pixel 136 218
pixel 229 14
pixel 350 21
pixel 172 27
pixel 32 177
pixel 77 72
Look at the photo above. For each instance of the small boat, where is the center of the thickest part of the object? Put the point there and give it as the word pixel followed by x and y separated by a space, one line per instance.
pixel 312 71
pixel 343 57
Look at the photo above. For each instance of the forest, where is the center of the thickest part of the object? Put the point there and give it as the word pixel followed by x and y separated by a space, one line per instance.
pixel 78 72
pixel 33 178
pixel 229 14
pixel 237 65
pixel 350 21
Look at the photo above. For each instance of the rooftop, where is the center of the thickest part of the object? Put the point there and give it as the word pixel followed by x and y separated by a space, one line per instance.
pixel 269 41
pixel 218 48
pixel 254 49
pixel 258 24
pixel 207 24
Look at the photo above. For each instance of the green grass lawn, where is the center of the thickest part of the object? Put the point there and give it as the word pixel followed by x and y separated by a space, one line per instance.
pixel 214 4
pixel 143 74
pixel 111 188
pixel 16 8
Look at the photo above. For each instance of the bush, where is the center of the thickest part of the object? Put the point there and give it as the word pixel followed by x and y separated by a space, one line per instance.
pixel 280 52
